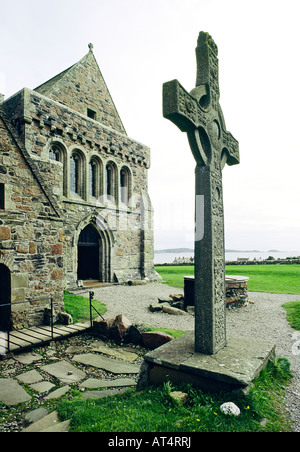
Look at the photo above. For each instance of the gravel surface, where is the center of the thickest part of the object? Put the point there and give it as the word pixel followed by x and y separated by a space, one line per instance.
pixel 263 317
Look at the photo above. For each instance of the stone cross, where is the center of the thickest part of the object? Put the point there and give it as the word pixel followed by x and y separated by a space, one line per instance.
pixel 199 115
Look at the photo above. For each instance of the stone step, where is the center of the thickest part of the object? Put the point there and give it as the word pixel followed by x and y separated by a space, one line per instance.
pixel 49 423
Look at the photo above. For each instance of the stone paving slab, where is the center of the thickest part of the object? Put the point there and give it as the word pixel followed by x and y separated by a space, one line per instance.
pixel 57 393
pixel 47 421
pixel 101 394
pixel 64 371
pixel 115 353
pixel 36 415
pixel 95 383
pixel 28 358
pixel 110 365
pixel 30 377
pixel 11 393
pixel 42 386
pixel 60 427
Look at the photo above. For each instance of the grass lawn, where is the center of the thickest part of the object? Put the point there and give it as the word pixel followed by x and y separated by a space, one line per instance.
pixel 263 278
pixel 153 409
pixel 293 313
pixel 79 307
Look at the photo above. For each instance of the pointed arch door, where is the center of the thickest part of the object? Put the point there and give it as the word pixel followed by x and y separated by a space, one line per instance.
pixel 89 254
pixel 5 298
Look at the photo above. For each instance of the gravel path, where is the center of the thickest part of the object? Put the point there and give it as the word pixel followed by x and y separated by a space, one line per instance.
pixel 264 318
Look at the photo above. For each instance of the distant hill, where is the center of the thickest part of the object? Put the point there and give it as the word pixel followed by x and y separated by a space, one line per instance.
pixel 191 250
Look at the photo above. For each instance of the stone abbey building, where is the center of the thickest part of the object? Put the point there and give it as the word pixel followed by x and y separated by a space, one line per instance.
pixel 74 203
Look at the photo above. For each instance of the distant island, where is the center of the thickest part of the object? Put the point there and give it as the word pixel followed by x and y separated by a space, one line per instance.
pixel 175 250
pixel 191 250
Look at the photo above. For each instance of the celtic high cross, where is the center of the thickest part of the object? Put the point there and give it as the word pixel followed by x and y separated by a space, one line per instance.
pixel 199 115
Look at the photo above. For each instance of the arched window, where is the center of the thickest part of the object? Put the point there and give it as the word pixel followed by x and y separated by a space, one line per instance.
pixel 55 153
pixel 125 185
pixel 77 174
pixel 111 182
pixel 74 174
pixel 93 178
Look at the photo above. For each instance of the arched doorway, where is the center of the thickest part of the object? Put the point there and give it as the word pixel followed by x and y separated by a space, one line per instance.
pixel 5 297
pixel 89 254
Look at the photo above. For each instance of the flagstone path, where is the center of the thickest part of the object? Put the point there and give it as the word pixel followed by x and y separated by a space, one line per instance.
pixel 96 368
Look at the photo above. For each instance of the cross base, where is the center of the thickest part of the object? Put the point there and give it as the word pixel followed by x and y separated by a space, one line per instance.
pixel 234 367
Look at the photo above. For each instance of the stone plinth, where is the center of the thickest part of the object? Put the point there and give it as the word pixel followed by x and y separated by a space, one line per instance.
pixel 236 291
pixel 233 367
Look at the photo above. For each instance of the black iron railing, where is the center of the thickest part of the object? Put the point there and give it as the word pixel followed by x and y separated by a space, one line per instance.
pixel 5 336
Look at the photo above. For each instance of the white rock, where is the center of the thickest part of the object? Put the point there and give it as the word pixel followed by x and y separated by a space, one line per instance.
pixel 230 408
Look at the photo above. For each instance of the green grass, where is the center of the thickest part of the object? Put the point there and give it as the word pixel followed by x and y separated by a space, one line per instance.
pixel 263 278
pixel 293 313
pixel 172 332
pixel 79 307
pixel 153 409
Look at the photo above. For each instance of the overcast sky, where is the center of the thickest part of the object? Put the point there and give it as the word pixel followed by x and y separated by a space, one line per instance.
pixel 139 45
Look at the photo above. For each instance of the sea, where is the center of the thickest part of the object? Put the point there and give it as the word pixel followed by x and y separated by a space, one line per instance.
pixel 168 258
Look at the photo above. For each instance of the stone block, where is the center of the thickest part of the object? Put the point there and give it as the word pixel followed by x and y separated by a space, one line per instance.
pixel 154 339
pixel 119 328
pixel 19 280
pixel 4 233
pixel 102 327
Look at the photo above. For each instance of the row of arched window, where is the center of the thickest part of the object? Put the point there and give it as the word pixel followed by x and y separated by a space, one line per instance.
pixel 91 179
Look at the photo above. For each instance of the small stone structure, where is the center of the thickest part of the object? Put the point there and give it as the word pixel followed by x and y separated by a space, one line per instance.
pixel 236 291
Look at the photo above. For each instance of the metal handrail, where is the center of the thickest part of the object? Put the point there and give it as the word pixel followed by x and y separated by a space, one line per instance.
pixel 7 348
pixel 91 296
pixel 31 301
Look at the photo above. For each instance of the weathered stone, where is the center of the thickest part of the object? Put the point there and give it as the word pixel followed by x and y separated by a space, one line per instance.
pixel 30 377
pixel 35 415
pixel 4 233
pixel 64 318
pixel 28 358
pixel 110 365
pixel 42 386
pixel 119 328
pixel 94 383
pixel 179 397
pixel 101 394
pixel 135 333
pixel 64 371
pixel 115 353
pixel 102 327
pixel 233 367
pixel 154 339
pixel 177 297
pixel 230 408
pixel 58 393
pixel 156 307
pixel 11 393
pixel 173 311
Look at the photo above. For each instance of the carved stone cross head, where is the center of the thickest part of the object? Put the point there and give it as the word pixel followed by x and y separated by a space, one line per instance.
pixel 199 113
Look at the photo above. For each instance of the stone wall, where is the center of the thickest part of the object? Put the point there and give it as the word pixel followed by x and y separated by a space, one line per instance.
pixel 30 234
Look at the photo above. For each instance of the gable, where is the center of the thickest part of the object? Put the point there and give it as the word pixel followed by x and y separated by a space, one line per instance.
pixel 82 87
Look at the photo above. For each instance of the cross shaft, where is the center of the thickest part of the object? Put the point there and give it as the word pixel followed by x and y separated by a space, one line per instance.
pixel 199 115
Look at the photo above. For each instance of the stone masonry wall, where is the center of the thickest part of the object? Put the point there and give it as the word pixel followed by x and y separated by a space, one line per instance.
pixel 31 236
pixel 44 122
